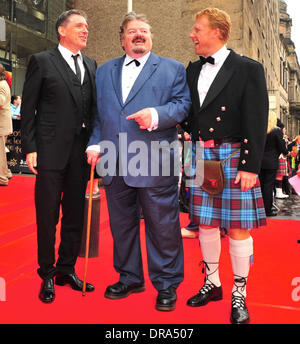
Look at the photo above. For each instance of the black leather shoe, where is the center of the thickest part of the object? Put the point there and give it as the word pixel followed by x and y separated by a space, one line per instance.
pixel 120 290
pixel 239 311
pixel 73 280
pixel 209 292
pixel 272 213
pixel 47 292
pixel 166 299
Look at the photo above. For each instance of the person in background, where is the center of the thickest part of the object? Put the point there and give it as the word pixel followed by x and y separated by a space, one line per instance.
pixel 275 145
pixel 282 171
pixel 5 125
pixel 294 157
pixel 15 107
pixel 190 231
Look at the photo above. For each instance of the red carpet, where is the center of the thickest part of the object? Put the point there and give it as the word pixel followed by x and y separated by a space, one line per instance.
pixel 272 297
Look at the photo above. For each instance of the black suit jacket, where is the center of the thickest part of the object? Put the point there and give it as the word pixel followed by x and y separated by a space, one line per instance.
pixel 236 105
pixel 50 108
pixel 275 145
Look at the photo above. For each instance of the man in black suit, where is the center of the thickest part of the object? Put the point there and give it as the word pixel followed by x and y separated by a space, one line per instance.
pixel 275 145
pixel 229 115
pixel 58 105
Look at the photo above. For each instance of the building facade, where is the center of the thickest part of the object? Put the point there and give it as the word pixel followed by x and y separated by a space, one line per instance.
pixel 261 29
pixel 290 74
pixel 29 27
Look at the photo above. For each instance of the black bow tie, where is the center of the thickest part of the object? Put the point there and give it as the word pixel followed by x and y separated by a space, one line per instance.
pixel 137 63
pixel 208 59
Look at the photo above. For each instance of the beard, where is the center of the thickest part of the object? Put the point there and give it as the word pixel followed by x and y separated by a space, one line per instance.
pixel 138 50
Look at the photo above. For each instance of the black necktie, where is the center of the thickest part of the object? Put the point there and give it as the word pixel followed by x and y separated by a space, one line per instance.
pixel 137 63
pixel 208 59
pixel 78 72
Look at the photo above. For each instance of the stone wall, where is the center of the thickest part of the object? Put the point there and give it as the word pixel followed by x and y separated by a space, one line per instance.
pixel 256 33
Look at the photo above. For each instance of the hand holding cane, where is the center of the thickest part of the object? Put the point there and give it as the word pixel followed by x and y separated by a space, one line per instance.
pixel 88 230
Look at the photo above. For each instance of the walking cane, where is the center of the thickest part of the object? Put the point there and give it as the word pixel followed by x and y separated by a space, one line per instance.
pixel 88 230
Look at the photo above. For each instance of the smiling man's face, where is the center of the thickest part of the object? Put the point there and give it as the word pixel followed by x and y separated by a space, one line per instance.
pixel 204 37
pixel 74 33
pixel 137 39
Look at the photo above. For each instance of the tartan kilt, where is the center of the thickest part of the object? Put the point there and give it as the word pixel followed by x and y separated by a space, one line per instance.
pixel 282 168
pixel 232 208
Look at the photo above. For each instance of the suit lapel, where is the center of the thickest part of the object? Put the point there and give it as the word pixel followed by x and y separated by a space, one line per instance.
pixel 116 75
pixel 193 72
pixel 60 65
pixel 148 69
pixel 88 68
pixel 221 79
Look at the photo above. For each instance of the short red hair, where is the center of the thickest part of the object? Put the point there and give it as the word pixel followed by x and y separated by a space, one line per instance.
pixel 217 19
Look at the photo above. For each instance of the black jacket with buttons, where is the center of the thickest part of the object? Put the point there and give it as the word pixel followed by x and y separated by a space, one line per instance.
pixel 275 145
pixel 235 106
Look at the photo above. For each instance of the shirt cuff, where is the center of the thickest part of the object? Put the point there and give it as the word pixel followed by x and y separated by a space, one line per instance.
pixel 154 123
pixel 95 148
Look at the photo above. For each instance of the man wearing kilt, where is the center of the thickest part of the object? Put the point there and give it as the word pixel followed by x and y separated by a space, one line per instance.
pixel 282 170
pixel 229 115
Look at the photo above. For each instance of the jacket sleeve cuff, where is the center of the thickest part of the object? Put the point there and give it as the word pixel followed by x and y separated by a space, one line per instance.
pixel 154 123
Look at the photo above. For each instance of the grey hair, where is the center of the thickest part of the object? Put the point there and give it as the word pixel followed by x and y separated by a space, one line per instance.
pixel 64 17
pixel 130 17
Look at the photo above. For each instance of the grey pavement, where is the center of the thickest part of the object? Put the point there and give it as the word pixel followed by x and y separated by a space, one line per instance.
pixel 289 208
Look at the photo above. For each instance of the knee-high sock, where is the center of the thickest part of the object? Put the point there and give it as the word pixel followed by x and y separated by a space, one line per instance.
pixel 210 243
pixel 240 253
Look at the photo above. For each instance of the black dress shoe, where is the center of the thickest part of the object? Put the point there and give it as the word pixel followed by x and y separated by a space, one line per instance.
pixel 239 311
pixel 120 290
pixel 271 213
pixel 166 299
pixel 47 292
pixel 209 292
pixel 73 280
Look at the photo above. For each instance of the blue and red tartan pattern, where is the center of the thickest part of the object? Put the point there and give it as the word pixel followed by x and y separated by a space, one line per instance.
pixel 282 169
pixel 232 208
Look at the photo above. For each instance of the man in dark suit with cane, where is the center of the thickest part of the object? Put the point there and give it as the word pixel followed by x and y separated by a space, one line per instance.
pixel 58 106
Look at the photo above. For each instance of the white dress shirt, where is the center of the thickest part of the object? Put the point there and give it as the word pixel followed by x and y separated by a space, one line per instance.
pixel 67 55
pixel 209 72
pixel 129 75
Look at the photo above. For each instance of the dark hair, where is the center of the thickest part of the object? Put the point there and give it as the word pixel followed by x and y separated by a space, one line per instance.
pixel 64 17
pixel 13 98
pixel 279 123
pixel 2 72
pixel 130 17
